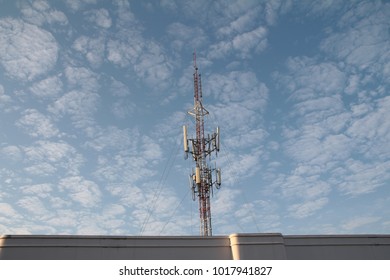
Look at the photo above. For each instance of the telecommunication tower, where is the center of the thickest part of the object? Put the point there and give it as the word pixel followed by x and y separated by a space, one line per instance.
pixel 201 178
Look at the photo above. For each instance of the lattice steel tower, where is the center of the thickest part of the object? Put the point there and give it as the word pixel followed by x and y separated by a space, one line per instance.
pixel 201 178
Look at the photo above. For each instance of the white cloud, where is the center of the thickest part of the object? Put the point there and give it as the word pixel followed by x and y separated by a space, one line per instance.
pixel 82 77
pixel 89 226
pixel 309 148
pixel 85 192
pixel 150 149
pixel 150 207
pixel 362 38
pixel 373 125
pixel 125 155
pixel 243 23
pixel 224 201
pixel 37 124
pixel 358 222
pixel 170 128
pixel 41 169
pixel 47 88
pixel 308 208
pixel 237 167
pixel 76 5
pixel 252 40
pixel 45 157
pixel 33 205
pixel 354 50
pixel 26 51
pixel 237 86
pixel 243 121
pixel 243 44
pixel 11 177
pixel 245 212
pixel 168 4
pixel 127 194
pixel 329 135
pixel 239 112
pixel 192 9
pixel 123 168
pixel 184 36
pixel 154 66
pixel 79 105
pixel 92 48
pixel 318 8
pixel 119 89
pixel 310 79
pixel 11 153
pixel 353 84
pixel 8 211
pixel 38 12
pixel 303 186
pixel 318 137
pixel 100 17
pixel 332 145
pixel 39 190
pixel 319 108
pixel 232 212
pixel 261 215
pixel 124 13
pixel 5 100
pixel 274 8
pixel 1 90
pixel 64 218
pixel 254 137
pixel 123 108
pixel 148 59
pixel 113 210
pixel 358 178
pixel 113 138
pixel 359 110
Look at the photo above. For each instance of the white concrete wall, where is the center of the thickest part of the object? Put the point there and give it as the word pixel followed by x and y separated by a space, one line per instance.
pixel 236 246
pixel 257 246
pixel 347 247
pixel 113 247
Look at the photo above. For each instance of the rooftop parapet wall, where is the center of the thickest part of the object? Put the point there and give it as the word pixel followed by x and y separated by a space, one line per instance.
pixel 339 247
pixel 257 246
pixel 236 246
pixel 113 247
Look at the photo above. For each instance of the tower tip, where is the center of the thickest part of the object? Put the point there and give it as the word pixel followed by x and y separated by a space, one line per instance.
pixel 194 58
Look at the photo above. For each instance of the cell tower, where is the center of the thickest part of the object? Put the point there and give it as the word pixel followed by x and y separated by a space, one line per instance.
pixel 201 178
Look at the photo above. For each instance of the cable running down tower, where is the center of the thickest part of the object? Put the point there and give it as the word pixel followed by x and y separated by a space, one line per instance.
pixel 201 179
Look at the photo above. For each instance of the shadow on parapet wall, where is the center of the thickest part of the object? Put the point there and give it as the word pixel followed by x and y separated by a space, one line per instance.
pixel 271 246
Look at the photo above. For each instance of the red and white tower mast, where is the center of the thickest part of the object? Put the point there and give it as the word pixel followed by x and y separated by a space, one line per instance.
pixel 201 179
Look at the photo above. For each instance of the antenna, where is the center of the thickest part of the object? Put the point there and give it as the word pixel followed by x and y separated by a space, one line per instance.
pixel 201 180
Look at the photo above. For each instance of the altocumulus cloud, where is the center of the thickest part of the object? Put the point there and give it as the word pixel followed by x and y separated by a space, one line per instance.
pixel 26 51
pixel 93 96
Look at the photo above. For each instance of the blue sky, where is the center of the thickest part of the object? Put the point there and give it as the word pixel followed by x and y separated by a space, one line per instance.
pixel 93 96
